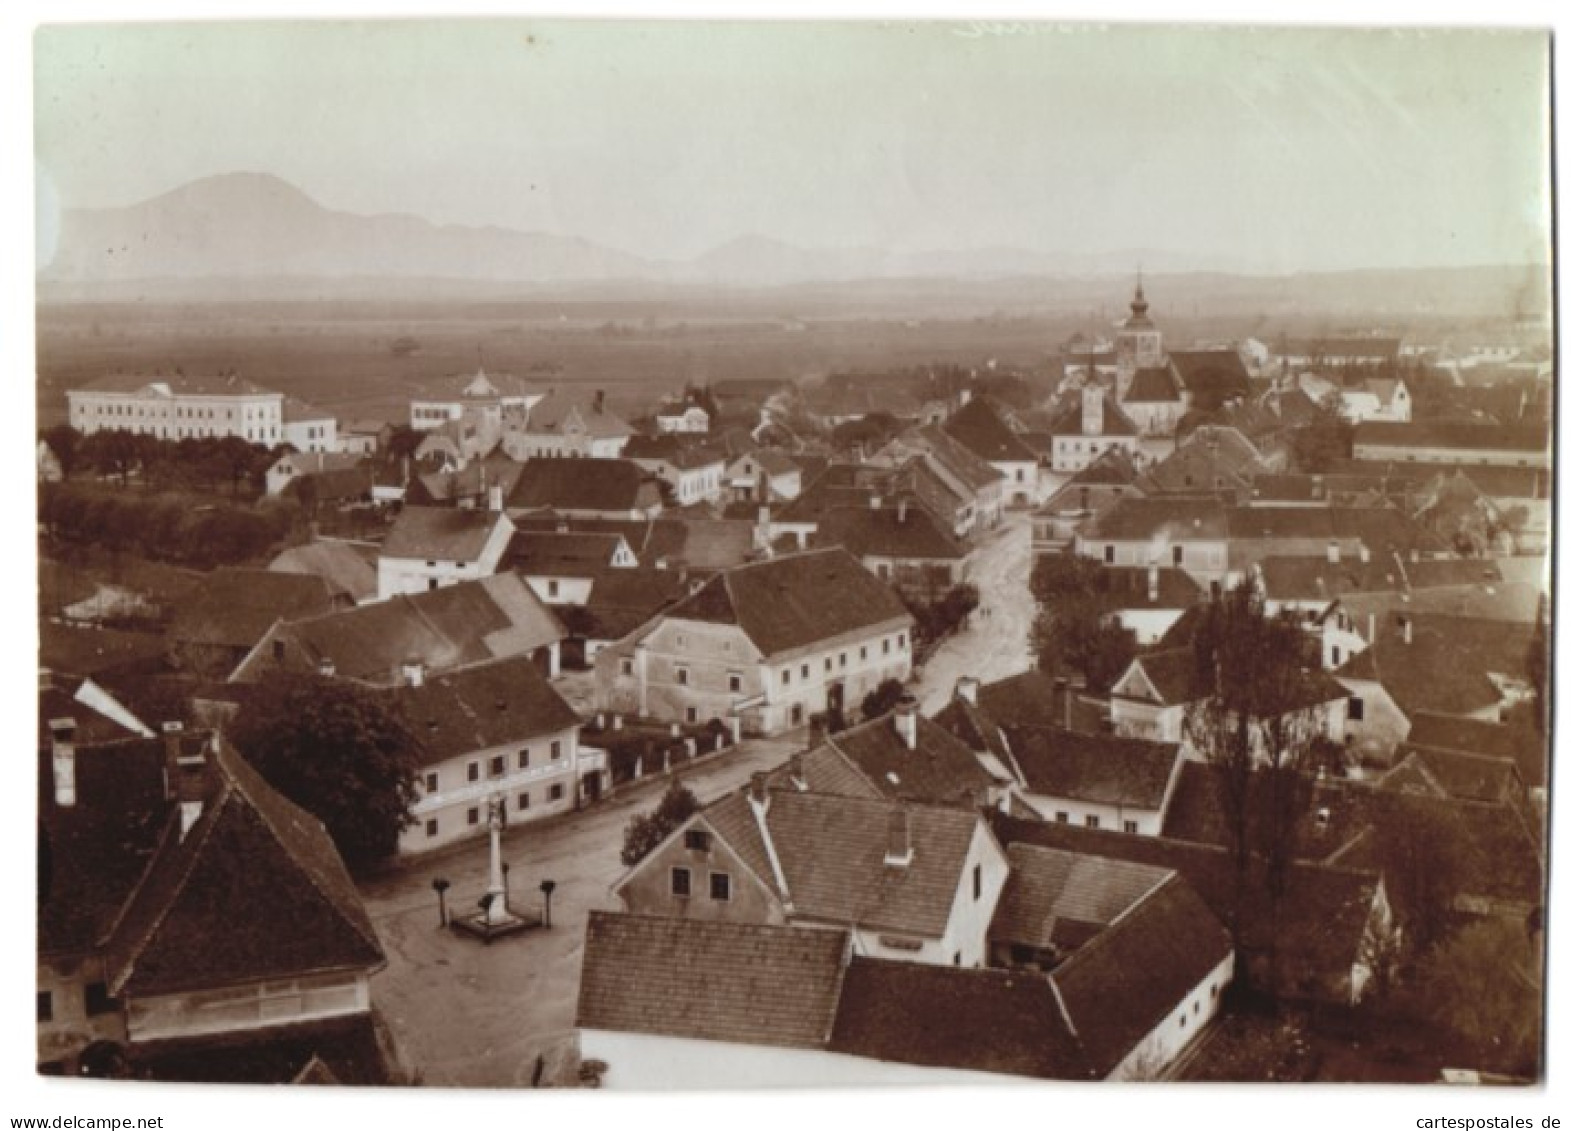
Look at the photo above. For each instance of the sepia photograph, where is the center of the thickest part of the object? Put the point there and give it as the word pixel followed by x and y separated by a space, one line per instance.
pixel 693 555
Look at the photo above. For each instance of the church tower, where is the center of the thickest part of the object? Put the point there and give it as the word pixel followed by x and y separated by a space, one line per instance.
pixel 1139 341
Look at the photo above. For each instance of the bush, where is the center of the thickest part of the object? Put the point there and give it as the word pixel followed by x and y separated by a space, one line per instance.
pixel 644 834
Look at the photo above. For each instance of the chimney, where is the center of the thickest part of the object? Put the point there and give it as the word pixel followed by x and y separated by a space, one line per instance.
pixel 324 667
pixel 185 776
pixel 902 511
pixel 875 502
pixel 414 671
pixel 1334 551
pixel 1372 621
pixel 1407 628
pixel 496 497
pixel 62 742
pixel 1363 553
pixel 1153 582
pixel 616 721
pixel 676 730
pixel 758 792
pixel 905 720
pixel 798 774
pixel 599 400
pixel 1091 410
pixel 898 853
pixel 966 688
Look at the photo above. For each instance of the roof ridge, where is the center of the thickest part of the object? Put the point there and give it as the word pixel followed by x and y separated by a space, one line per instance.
pixel 237 786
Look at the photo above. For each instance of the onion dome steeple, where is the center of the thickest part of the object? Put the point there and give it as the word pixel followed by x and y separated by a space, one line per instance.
pixel 1137 308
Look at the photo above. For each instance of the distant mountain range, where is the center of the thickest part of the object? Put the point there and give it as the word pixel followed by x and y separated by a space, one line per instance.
pixel 253 236
pixel 254 226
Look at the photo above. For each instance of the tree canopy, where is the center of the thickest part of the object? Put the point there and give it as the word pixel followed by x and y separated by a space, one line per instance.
pixel 643 834
pixel 339 751
pixel 1075 628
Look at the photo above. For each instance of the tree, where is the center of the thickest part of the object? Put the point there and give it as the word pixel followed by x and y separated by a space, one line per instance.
pixel 1075 628
pixel 339 751
pixel 882 699
pixel 644 834
pixel 1258 725
pixel 1421 849
pixel 1485 986
pixel 1320 443
pixel 65 442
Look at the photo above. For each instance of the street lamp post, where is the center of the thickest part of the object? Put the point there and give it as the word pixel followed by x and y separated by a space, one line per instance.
pixel 546 888
pixel 440 886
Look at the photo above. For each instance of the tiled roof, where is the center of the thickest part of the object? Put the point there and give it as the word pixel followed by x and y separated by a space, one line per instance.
pixel 445 533
pixel 483 706
pixel 611 485
pixel 84 650
pixel 1447 667
pixel 791 602
pixel 831 850
pixel 1123 983
pixel 1307 577
pixel 1100 769
pixel 317 463
pixel 1180 520
pixel 468 623
pixel 1210 376
pixel 341 1050
pixel 897 530
pixel 940 771
pixel 1004 1021
pixel 1322 916
pixel 346 568
pixel 574 553
pixel 824 769
pixel 1070 421
pixel 979 428
pixel 1129 587
pixel 1523 745
pixel 1463 437
pixel 737 982
pixel 672 449
pixel 968 471
pixel 1171 671
pixel 93 853
pixel 234 608
pixel 555 411
pixel 1058 899
pixel 254 891
pixel 1199 465
pixel 197 385
pixel 1113 468
pixel 297 411
pixel 1153 385
pixel 1461 777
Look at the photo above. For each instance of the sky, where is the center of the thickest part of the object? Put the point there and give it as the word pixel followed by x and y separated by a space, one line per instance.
pixel 1289 149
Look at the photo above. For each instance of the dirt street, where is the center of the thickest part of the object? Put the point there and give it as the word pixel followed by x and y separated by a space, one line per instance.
pixel 471 1015
pixel 997 641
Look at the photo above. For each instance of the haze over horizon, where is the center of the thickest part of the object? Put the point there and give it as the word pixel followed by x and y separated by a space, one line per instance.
pixel 1277 150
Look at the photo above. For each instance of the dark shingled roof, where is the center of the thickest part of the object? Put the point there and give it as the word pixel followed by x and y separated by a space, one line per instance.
pixel 610 485
pixel 1447 667
pixel 1101 769
pixel 1069 420
pixel 1129 587
pixel 1313 577
pixel 1179 519
pixel 1119 985
pixel 1462 777
pixel 483 706
pixel 892 531
pixel 1523 745
pixel 1004 1021
pixel 573 554
pixel 1210 376
pixel 233 608
pixel 347 568
pixel 621 600
pixel 832 849
pixel 1171 672
pixel 468 623
pixel 1463 437
pixel 940 771
pixel 739 982
pixel 981 429
pixel 1152 385
pixel 795 601
pixel 341 1050
pixel 85 650
pixel 1323 915
pixel 254 891
pixel 444 533
pixel 1058 899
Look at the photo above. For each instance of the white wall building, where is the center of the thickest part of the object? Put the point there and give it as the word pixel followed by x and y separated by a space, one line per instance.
pixel 178 408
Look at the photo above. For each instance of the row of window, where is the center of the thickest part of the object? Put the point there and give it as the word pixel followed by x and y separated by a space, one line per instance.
pixel 719 885
pixel 496 768
pixel 806 670
pixel 162 412
pixel 1095 822
pixel 433 825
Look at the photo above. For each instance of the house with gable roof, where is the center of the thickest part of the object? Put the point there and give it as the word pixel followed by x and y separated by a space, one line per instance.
pixel 1087 426
pixel 564 426
pixel 914 883
pixel 765 475
pixel 1095 780
pixel 491 730
pixel 768 644
pixel 982 427
pixel 431 547
pixel 190 915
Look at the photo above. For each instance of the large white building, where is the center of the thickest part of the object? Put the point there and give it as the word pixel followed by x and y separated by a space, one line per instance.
pixel 178 408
